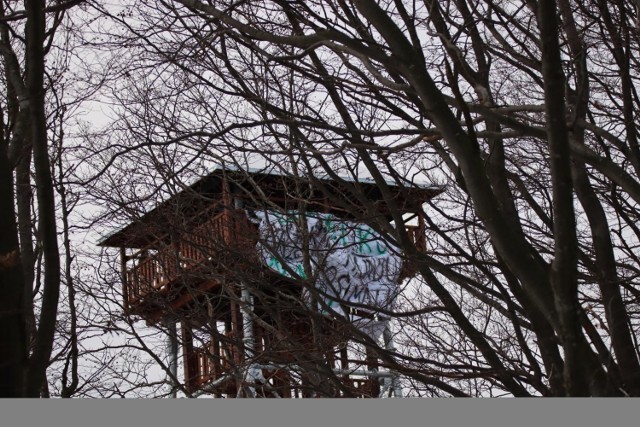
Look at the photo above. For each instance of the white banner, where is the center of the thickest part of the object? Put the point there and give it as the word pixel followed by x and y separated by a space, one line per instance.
pixel 350 262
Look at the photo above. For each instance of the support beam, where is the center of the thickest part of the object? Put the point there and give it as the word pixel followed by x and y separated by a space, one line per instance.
pixel 388 345
pixel 247 335
pixel 172 356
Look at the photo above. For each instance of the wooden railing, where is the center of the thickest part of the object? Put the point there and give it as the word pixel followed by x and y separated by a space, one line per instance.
pixel 154 270
pixel 224 355
pixel 220 357
pixel 216 358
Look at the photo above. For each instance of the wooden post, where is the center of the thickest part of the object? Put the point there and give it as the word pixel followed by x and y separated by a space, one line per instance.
pixel 190 358
pixel 236 331
pixel 373 386
pixel 226 206
pixel 172 349
pixel 344 365
pixel 421 238
pixel 125 284
pixel 214 347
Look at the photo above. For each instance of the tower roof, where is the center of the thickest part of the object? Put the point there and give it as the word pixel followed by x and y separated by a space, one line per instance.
pixel 264 188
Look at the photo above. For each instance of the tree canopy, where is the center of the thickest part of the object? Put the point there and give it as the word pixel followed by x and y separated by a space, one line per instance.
pixel 524 112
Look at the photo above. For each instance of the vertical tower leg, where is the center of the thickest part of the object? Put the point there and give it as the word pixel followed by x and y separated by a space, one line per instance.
pixel 388 345
pixel 373 386
pixel 248 340
pixel 172 352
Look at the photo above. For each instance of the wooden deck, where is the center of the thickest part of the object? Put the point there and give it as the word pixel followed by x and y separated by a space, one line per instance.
pixel 204 254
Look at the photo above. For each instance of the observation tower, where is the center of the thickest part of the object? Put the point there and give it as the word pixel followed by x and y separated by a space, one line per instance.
pixel 274 285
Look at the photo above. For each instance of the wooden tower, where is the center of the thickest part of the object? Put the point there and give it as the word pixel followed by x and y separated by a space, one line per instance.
pixel 245 329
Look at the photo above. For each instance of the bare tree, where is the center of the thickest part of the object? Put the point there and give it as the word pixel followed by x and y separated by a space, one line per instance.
pixel 30 271
pixel 526 111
